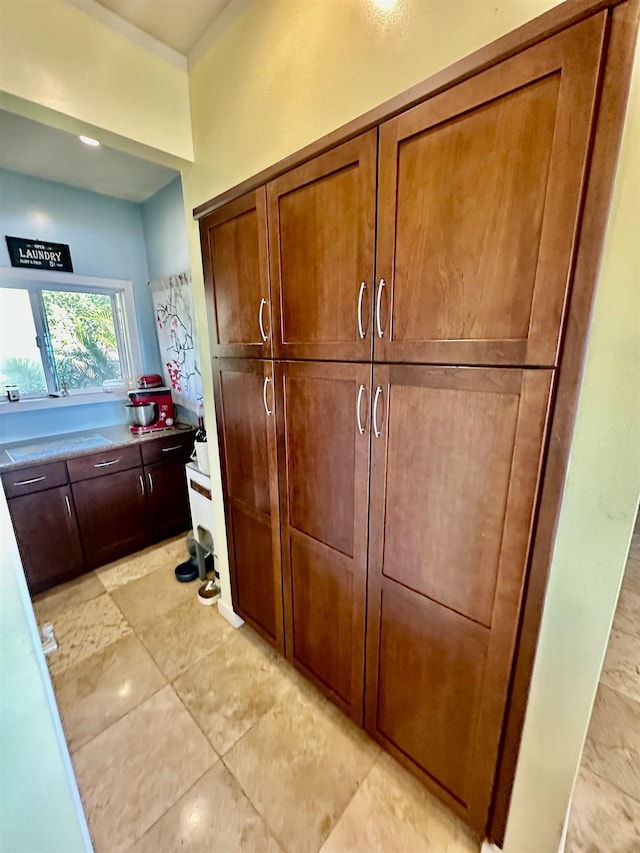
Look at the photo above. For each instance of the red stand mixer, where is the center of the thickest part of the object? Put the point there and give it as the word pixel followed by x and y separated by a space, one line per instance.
pixel 151 406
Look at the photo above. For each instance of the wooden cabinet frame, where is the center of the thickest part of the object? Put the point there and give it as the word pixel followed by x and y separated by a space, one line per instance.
pixel 613 87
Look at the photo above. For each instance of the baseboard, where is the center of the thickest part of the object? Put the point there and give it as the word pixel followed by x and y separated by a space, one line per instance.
pixel 229 615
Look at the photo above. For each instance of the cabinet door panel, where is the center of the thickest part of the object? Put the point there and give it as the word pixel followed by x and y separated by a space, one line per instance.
pixel 236 274
pixel 480 190
pixel 245 414
pixel 321 238
pixel 324 486
pixel 112 515
pixel 47 537
pixel 453 486
pixel 168 499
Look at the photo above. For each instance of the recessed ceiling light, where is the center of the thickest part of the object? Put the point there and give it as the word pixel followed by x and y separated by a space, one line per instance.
pixel 89 141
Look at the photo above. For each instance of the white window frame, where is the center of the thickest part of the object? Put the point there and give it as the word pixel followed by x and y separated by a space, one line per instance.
pixel 35 280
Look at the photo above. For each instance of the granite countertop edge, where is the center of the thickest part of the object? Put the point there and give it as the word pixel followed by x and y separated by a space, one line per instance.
pixel 119 436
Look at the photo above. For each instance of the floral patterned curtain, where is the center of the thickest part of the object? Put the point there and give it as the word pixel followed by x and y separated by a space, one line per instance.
pixel 176 329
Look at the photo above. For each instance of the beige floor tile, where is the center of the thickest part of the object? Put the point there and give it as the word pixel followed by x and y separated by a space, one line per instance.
pixel 627 616
pixel 213 816
pixel 85 630
pixel 300 765
pixel 621 668
pixel 612 749
pixel 232 688
pixel 631 580
pixel 184 635
pixel 602 818
pixel 49 605
pixel 392 812
pixel 134 771
pixel 165 555
pixel 153 595
pixel 98 691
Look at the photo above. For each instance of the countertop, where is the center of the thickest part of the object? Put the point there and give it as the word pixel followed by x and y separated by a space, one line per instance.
pixel 118 436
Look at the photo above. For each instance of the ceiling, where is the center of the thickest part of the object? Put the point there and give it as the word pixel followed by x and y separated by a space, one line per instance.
pixel 179 24
pixel 36 149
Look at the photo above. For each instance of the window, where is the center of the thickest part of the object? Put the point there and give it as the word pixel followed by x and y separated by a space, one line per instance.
pixel 63 332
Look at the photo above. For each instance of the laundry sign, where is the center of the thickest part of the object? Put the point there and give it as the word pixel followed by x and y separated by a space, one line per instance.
pixel 37 254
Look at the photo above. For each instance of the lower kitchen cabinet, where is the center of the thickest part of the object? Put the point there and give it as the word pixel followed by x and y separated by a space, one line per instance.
pixel 48 538
pixel 112 515
pixel 245 407
pixel 455 464
pixel 168 498
pixel 323 455
pixel 77 515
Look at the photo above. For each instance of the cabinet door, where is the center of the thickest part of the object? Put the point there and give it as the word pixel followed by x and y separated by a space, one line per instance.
pixel 479 200
pixel 169 511
pixel 321 242
pixel 245 414
pixel 47 537
pixel 323 443
pixel 456 455
pixel 112 515
pixel 236 277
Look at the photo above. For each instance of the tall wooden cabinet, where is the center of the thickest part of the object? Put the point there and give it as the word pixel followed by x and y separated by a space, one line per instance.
pixel 323 450
pixel 245 405
pixel 397 476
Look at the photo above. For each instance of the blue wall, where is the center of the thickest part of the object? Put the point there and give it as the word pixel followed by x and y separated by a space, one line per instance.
pixel 165 232
pixel 107 238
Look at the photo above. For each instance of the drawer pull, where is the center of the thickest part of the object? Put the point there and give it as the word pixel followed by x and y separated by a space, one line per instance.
pixel 150 481
pixel 106 464
pixel 141 484
pixel 66 498
pixel 28 482
pixel 173 447
pixel 378 301
pixel 264 396
pixel 375 412
pixel 263 334
pixel 360 295
pixel 359 419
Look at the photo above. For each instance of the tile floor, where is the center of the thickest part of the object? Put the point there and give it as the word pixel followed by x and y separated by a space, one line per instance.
pixel 187 734
pixel 605 814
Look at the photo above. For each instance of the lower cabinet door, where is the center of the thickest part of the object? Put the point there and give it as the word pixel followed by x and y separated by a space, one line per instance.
pixel 112 515
pixel 245 411
pixel 48 539
pixel 455 466
pixel 166 484
pixel 323 454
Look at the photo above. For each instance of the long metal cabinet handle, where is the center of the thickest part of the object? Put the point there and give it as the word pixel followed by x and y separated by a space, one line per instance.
pixel 173 447
pixel 66 498
pixel 263 335
pixel 264 396
pixel 360 295
pixel 150 481
pixel 358 418
pixel 28 482
pixel 106 464
pixel 141 484
pixel 375 412
pixel 378 301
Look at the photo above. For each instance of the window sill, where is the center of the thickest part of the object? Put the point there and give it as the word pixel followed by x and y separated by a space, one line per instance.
pixel 41 403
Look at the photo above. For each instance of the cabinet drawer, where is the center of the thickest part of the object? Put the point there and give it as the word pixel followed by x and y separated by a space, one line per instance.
pixel 36 478
pixel 167 449
pixel 106 462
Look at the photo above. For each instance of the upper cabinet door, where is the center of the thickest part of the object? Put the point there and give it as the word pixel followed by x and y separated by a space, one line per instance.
pixel 478 204
pixel 236 276
pixel 321 242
